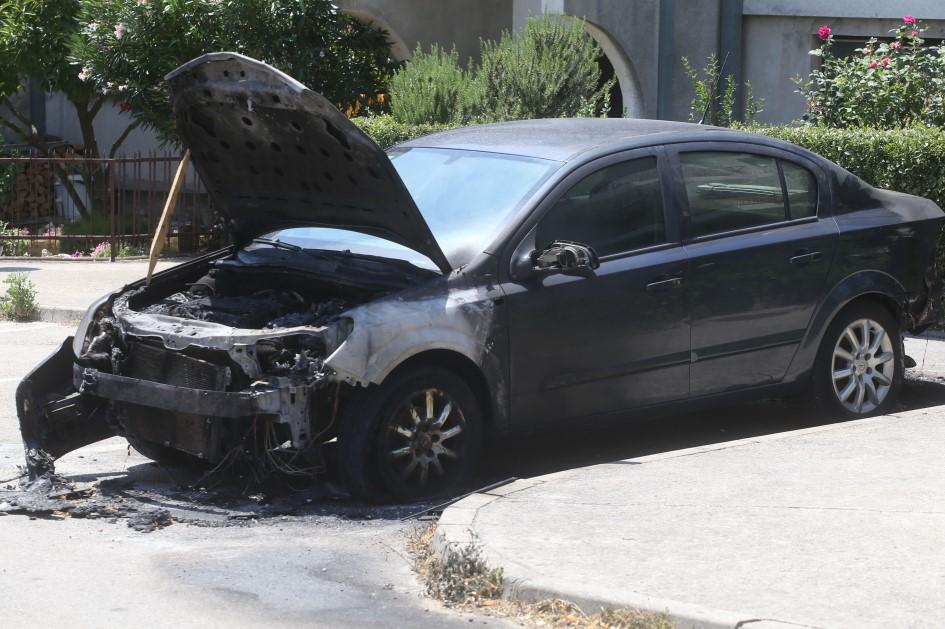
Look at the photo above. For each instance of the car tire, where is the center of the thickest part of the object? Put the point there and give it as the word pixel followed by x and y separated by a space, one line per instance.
pixel 856 377
pixel 416 436
pixel 161 453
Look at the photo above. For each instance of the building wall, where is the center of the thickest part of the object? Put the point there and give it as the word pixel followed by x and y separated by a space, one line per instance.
pixel 61 121
pixel 652 51
pixel 447 22
pixel 644 39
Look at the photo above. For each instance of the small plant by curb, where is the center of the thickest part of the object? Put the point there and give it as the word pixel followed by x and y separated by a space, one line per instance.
pixel 19 302
pixel 463 579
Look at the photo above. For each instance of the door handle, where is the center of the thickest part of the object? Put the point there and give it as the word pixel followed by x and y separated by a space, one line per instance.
pixel 805 256
pixel 663 285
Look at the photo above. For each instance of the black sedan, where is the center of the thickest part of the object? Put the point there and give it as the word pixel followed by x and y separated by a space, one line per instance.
pixel 481 280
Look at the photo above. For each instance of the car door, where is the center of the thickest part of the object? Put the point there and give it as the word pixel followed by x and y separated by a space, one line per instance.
pixel 615 339
pixel 759 255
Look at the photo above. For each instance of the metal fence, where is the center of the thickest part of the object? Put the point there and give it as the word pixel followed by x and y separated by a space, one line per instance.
pixel 76 205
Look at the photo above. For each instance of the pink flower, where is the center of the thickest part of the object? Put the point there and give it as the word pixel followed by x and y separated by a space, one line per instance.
pixel 885 62
pixel 909 19
pixel 873 64
pixel 896 45
pixel 915 33
pixel 824 31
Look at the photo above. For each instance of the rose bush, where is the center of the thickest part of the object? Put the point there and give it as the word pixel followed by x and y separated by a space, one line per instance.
pixel 885 85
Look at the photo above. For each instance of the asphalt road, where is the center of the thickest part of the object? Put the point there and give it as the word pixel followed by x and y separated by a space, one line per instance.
pixel 336 565
pixel 302 556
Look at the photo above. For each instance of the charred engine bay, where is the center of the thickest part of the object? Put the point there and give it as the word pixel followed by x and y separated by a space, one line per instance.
pixel 278 287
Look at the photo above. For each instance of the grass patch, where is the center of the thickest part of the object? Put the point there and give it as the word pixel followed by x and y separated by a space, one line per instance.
pixel 462 579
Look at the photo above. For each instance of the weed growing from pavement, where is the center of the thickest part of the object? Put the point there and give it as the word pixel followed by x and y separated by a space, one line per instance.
pixel 460 577
pixel 463 579
pixel 19 303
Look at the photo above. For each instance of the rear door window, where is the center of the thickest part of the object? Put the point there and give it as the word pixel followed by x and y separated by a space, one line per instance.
pixel 615 209
pixel 730 191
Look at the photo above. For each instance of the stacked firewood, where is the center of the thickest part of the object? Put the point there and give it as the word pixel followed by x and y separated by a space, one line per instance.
pixel 32 199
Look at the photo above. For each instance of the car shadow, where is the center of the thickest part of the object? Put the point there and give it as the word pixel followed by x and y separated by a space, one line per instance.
pixel 190 493
pixel 581 444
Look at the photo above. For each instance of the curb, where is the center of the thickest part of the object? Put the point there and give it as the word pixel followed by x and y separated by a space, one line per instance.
pixel 455 530
pixel 61 314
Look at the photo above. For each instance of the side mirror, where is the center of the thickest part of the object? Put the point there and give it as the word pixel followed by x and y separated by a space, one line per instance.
pixel 567 258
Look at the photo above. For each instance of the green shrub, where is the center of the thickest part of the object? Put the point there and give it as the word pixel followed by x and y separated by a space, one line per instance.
pixel 12 247
pixel 19 303
pixel 714 95
pixel 387 131
pixel 428 88
pixel 885 85
pixel 548 70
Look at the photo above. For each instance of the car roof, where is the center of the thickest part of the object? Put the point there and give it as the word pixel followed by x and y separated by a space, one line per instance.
pixel 564 139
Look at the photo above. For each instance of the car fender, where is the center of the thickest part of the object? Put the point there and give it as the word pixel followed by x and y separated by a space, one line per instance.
pixel 387 332
pixel 851 287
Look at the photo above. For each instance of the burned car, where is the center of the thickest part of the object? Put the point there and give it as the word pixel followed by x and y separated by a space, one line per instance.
pixel 479 280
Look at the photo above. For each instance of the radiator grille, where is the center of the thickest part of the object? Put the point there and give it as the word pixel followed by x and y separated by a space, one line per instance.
pixel 170 367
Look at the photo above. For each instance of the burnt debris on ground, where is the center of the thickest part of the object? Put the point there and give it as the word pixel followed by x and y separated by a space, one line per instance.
pixel 150 496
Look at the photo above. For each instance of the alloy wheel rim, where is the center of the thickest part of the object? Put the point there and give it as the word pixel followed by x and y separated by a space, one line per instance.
pixel 863 366
pixel 424 438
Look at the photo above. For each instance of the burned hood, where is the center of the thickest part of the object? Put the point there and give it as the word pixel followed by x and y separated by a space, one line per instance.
pixel 274 154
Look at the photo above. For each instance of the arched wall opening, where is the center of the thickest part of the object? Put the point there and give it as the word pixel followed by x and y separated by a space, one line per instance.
pixel 399 51
pixel 617 64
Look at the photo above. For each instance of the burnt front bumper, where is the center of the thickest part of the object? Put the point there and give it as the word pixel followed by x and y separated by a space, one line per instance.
pixel 54 417
pixel 179 399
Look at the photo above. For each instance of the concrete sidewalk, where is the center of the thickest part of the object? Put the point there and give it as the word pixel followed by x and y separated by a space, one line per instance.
pixel 834 526
pixel 65 288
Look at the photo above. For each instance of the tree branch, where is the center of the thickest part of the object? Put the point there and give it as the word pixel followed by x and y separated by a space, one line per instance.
pixel 124 136
pixel 94 109
pixel 12 127
pixel 23 120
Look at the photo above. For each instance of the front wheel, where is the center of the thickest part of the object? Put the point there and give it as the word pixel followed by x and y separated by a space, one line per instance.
pixel 859 369
pixel 414 437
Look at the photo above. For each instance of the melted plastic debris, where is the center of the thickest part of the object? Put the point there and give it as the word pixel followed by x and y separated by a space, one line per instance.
pixel 265 309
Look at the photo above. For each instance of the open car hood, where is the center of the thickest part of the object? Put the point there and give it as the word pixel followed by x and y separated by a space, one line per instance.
pixel 274 154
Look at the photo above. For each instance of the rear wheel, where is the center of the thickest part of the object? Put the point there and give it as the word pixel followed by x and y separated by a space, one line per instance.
pixel 859 369
pixel 413 437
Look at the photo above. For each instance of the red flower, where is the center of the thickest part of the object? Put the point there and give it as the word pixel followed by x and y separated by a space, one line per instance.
pixel 915 33
pixel 873 64
pixel 824 31
pixel 909 19
pixel 885 62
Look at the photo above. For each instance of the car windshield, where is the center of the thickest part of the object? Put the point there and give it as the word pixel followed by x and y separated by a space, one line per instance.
pixel 464 196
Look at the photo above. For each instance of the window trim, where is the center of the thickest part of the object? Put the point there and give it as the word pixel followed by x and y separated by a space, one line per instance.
pixel 787 197
pixel 523 236
pixel 681 198
pixel 663 202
